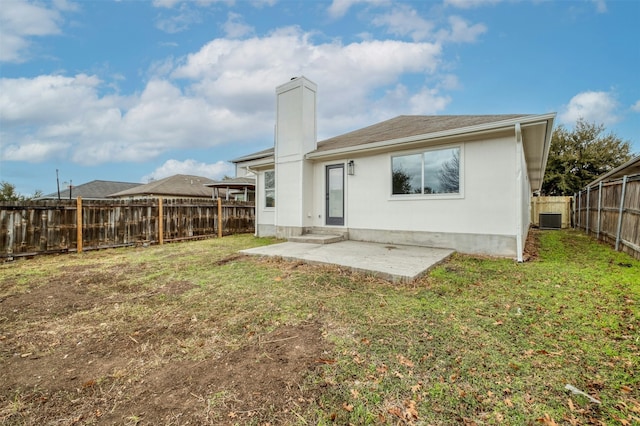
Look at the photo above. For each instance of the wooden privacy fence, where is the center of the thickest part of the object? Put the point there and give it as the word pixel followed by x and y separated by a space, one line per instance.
pixel 35 227
pixel 610 211
pixel 559 205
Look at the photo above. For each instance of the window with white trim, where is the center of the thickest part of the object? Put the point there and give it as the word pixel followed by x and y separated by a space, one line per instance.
pixel 435 171
pixel 270 188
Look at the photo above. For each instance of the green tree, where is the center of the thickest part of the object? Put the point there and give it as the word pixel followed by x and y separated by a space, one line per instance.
pixel 8 193
pixel 579 156
pixel 401 182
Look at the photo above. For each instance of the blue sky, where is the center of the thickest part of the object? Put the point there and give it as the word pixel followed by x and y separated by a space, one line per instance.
pixel 138 90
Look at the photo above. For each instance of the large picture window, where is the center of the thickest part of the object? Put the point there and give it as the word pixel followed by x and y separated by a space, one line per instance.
pixel 270 188
pixel 435 171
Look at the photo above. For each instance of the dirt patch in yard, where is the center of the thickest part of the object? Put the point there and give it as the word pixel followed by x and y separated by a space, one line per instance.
pixel 532 245
pixel 85 348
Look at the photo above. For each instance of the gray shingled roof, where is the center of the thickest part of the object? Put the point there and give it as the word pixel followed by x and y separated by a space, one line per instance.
pixel 408 125
pixel 255 156
pixel 96 189
pixel 397 128
pixel 175 186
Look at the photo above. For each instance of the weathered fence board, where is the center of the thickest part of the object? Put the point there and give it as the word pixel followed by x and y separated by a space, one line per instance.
pixel 603 213
pixel 35 227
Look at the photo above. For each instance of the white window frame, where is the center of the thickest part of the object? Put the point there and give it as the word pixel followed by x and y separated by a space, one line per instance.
pixel 264 185
pixel 445 196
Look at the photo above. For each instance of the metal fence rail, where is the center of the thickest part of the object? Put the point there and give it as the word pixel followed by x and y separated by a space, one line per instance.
pixel 35 227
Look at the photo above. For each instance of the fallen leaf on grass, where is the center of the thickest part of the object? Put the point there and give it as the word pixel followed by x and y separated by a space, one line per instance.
pixel 354 393
pixel 498 323
pixel 347 407
pixel 405 361
pixel 508 402
pixel 411 413
pixel 395 411
pixel 415 388
pixel 626 389
pixel 547 420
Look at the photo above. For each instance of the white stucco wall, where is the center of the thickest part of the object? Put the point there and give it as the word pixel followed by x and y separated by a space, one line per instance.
pixel 486 209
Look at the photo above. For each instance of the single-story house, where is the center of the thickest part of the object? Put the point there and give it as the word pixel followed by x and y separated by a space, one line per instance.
pixel 94 190
pixel 176 186
pixel 460 182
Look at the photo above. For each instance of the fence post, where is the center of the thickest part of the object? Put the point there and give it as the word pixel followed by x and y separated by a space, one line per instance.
pixel 599 209
pixel 588 209
pixel 622 197
pixel 160 222
pixel 579 209
pixel 219 217
pixel 79 224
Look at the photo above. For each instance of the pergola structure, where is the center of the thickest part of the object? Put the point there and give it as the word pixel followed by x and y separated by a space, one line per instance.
pixel 234 187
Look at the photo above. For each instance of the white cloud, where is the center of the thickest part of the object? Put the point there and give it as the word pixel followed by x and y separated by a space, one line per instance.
pixel 598 107
pixel 636 107
pixel 19 22
pixel 470 4
pixel 46 99
pixel 34 152
pixel 214 171
pixel 404 20
pixel 601 6
pixel 461 31
pixel 168 4
pixel 400 100
pixel 235 27
pixel 242 74
pixel 339 8
pixel 222 94
pixel 179 22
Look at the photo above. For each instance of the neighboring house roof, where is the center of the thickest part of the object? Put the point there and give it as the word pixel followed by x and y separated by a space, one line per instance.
pixel 631 167
pixel 416 129
pixel 234 183
pixel 175 186
pixel 96 189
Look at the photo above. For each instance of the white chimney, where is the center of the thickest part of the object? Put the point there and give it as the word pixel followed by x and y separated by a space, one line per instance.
pixel 295 137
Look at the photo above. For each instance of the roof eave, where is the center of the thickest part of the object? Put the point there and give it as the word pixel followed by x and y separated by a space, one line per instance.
pixel 462 131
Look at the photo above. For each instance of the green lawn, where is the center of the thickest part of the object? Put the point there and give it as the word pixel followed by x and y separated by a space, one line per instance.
pixel 477 341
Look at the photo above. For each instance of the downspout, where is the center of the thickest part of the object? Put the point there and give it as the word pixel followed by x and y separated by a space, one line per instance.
pixel 255 202
pixel 519 242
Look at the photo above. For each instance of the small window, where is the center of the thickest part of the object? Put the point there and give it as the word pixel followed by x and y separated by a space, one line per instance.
pixel 431 172
pixel 270 188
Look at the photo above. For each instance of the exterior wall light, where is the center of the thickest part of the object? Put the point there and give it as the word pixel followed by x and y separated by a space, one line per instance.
pixel 351 168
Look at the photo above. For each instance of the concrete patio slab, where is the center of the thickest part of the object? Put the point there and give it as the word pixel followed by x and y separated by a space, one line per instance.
pixel 397 263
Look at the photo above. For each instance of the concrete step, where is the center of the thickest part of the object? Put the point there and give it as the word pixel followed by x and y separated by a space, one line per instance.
pixel 317 238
